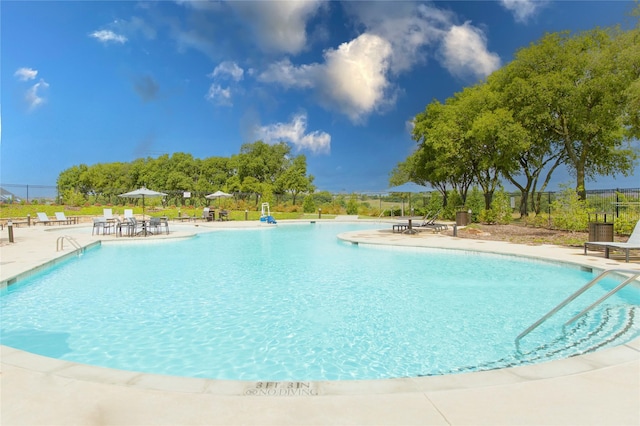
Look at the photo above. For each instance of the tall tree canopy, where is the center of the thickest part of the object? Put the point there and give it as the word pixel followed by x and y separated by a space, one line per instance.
pixel 567 99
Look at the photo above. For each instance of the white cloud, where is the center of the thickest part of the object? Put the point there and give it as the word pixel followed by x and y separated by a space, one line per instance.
pixel 279 26
pixel 25 74
pixel 107 36
pixel 523 9
pixel 294 133
pixel 355 75
pixel 219 95
pixel 34 96
pixel 353 78
pixel 408 26
pixel 412 28
pixel 285 73
pixel 228 68
pixel 464 52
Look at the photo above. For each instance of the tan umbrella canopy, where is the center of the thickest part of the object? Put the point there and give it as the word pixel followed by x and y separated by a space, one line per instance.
pixel 142 193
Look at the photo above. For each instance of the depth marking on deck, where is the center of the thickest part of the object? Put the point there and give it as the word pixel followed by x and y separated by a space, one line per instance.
pixel 281 389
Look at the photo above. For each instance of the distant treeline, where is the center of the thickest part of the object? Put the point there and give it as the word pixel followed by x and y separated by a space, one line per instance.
pixel 259 171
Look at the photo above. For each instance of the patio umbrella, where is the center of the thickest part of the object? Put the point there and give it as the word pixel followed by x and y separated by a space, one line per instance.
pixel 142 193
pixel 409 187
pixel 217 194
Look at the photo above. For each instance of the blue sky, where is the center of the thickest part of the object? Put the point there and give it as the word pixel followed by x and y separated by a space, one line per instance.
pixel 86 82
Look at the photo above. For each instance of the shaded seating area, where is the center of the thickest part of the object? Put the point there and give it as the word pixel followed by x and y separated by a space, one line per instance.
pixel 131 226
pixel 124 227
pixel 633 243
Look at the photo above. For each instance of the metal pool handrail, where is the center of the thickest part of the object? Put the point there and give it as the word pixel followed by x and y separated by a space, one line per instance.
pixel 60 242
pixel 634 275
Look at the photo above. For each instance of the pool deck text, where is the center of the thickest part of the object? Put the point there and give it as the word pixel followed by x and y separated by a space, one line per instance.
pixel 281 389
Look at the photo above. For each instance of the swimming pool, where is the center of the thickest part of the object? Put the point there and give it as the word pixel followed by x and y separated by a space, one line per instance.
pixel 292 303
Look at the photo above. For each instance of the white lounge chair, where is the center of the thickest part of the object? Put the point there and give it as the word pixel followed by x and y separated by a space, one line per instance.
pixel 633 243
pixel 44 219
pixel 61 217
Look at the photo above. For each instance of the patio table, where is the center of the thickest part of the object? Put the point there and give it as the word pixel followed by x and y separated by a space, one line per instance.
pixel 409 220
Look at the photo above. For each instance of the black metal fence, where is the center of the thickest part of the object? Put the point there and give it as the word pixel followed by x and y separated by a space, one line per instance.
pixel 616 203
pixel 20 192
pixel 605 204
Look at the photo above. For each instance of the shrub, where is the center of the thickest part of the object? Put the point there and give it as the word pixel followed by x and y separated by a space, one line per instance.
pixel 537 221
pixel 569 212
pixel 308 204
pixel 500 211
pixel 352 205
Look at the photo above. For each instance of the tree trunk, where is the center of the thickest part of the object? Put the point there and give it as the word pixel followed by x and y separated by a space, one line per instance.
pixel 488 198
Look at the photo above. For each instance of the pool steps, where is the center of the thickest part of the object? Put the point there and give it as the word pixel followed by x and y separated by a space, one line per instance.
pixel 611 326
pixel 630 276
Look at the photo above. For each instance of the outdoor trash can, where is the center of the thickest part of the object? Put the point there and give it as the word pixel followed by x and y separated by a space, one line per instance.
pixel 462 218
pixel 601 231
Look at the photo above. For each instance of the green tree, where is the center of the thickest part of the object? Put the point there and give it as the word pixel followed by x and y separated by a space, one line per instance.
pixel 262 161
pixel 294 179
pixel 438 160
pixel 574 92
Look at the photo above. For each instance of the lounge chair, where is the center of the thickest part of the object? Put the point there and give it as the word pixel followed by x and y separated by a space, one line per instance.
pixel 633 243
pixel 108 214
pixel 61 217
pixel 44 219
pixel 429 222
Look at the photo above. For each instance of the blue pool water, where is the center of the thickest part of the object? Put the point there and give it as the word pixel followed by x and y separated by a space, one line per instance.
pixel 291 302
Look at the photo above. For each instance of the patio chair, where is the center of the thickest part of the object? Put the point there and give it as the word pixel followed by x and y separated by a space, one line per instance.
pixel 223 215
pixel 123 227
pixel 154 225
pixel 206 215
pixel 128 213
pixel 633 243
pixel 164 221
pixel 100 223
pixel 135 226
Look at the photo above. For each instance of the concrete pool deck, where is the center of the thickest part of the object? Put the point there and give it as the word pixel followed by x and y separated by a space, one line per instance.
pixel 601 388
